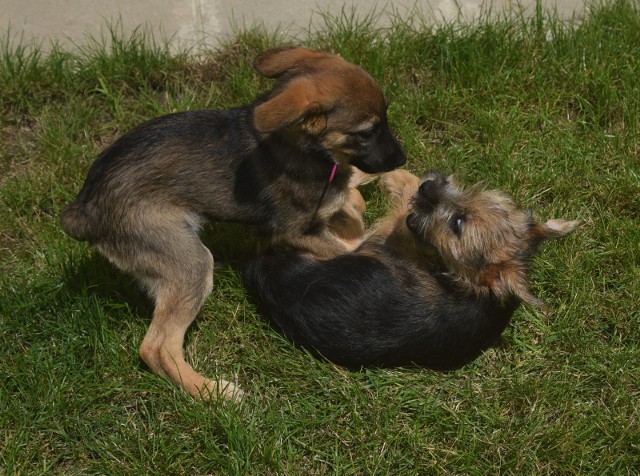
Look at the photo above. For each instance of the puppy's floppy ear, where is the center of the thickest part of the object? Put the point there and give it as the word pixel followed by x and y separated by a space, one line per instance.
pixel 509 280
pixel 274 63
pixel 298 100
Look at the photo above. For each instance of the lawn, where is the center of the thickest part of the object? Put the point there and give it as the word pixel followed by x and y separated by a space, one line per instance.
pixel 547 111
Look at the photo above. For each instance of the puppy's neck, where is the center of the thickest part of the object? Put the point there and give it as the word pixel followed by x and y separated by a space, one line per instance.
pixel 302 159
pixel 392 233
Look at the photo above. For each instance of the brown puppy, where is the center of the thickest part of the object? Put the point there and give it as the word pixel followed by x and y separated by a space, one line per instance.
pixel 434 283
pixel 282 163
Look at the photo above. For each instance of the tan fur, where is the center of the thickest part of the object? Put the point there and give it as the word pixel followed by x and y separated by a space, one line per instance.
pixel 491 252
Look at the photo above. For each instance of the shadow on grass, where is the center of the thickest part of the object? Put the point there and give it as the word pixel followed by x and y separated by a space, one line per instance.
pixel 93 275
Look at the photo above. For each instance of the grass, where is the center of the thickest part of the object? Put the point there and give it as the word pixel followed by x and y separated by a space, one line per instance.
pixel 547 111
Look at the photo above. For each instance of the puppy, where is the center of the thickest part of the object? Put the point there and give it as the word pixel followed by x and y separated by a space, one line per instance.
pixel 434 283
pixel 282 163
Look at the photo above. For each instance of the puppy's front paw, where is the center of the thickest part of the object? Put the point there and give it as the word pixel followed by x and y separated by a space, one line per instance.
pixel 399 183
pixel 358 177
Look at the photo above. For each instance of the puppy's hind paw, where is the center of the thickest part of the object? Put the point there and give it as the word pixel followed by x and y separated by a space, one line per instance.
pixel 221 389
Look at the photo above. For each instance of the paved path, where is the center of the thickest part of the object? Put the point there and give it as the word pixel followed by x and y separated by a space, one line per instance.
pixel 207 22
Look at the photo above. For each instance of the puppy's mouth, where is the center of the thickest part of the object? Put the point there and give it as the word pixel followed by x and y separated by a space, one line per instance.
pixel 365 163
pixel 425 247
pixel 416 224
pixel 413 223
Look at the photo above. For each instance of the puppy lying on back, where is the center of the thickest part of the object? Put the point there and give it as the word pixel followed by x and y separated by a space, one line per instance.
pixel 434 283
pixel 282 163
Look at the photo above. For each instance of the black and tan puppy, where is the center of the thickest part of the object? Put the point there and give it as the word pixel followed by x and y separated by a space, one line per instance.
pixel 282 163
pixel 434 283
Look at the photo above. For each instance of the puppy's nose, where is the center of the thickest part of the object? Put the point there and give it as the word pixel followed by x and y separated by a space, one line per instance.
pixel 429 190
pixel 400 158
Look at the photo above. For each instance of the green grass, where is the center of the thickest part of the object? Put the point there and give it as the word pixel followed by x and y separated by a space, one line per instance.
pixel 548 112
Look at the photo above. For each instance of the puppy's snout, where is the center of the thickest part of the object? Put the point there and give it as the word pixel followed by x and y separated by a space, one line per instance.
pixel 429 190
pixel 399 157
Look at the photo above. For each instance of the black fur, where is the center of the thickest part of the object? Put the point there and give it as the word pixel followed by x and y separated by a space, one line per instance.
pixel 357 310
pixel 434 282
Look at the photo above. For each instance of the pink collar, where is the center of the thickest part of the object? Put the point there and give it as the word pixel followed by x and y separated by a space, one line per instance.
pixel 326 189
pixel 333 171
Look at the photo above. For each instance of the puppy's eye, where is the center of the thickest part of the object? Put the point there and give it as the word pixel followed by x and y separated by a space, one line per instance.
pixel 362 135
pixel 367 133
pixel 456 224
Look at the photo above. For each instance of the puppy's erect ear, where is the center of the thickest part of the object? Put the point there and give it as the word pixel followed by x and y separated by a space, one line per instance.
pixel 510 279
pixel 297 101
pixel 553 229
pixel 274 63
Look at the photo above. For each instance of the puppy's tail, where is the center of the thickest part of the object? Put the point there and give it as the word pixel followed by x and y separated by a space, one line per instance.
pixel 76 222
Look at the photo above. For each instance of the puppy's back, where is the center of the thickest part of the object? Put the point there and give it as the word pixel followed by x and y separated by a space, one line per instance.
pixel 187 160
pixel 358 310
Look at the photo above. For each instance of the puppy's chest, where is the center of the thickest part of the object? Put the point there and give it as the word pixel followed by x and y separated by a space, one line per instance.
pixel 308 206
pixel 330 204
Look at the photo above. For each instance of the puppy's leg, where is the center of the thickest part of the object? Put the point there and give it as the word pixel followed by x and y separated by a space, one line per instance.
pixel 162 249
pixel 356 201
pixel 399 185
pixel 347 225
pixel 179 296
